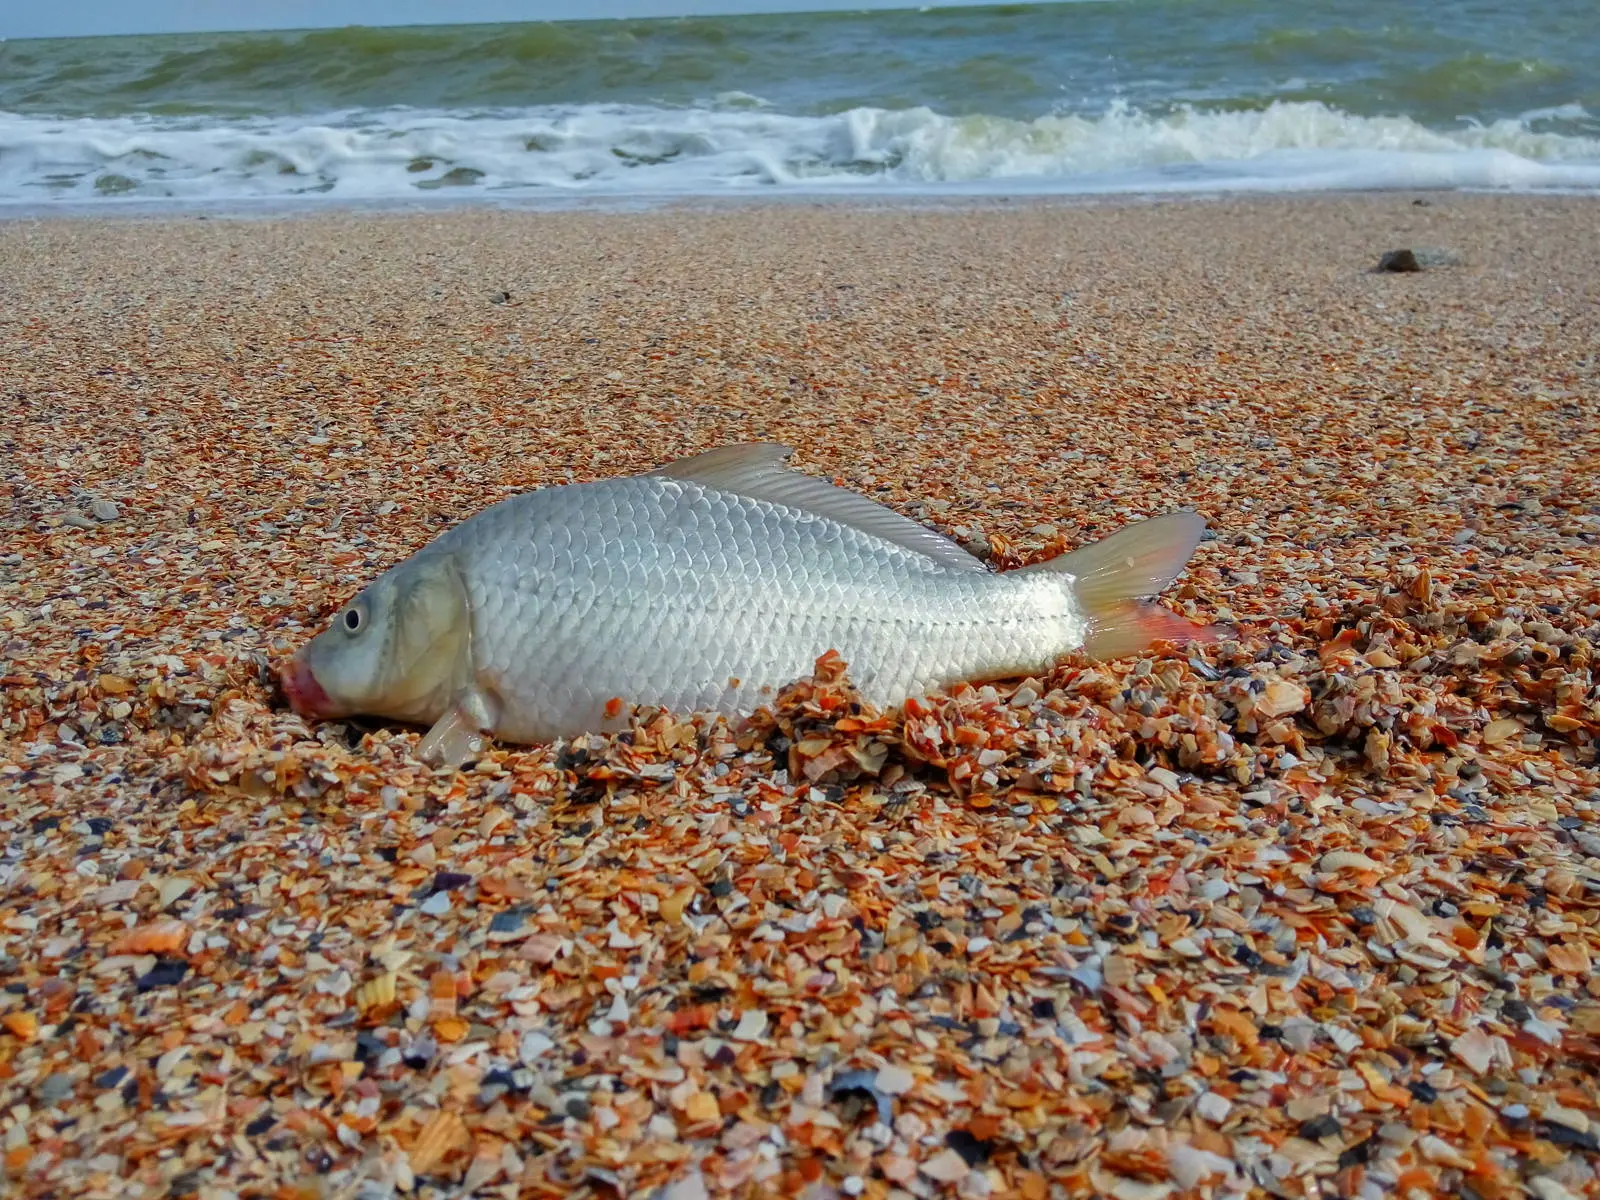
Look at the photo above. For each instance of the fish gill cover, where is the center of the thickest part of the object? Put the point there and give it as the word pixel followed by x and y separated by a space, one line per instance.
pixel 1142 95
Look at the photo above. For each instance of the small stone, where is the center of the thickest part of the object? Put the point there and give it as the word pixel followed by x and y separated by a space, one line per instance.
pixel 946 1167
pixel 167 972
pixel 1318 1128
pixel 534 1046
pixel 687 1187
pixel 1498 731
pixel 76 520
pixel 893 1081
pixel 1477 1049
pixel 1347 860
pixel 1437 1150
pixel 53 1088
pixel 104 510
pixel 1399 260
pixel 752 1025
pixel 436 905
pixel 1280 698
pixel 1213 1107
pixel 509 921
pixel 173 888
pixel 1189 1165
pixel 499 297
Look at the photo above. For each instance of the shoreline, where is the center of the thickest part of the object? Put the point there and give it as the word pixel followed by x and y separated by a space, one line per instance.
pixel 712 202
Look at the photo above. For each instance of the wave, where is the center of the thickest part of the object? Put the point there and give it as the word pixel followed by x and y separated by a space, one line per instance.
pixel 739 143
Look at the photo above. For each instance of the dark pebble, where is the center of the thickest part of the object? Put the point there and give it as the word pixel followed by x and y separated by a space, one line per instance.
pixel 973 1150
pixel 579 1108
pixel 100 826
pixel 53 1089
pixel 1399 260
pixel 369 1046
pixel 168 972
pixel 1423 1091
pixel 1044 1008
pixel 449 881
pixel 1565 1135
pixel 860 1086
pixel 722 887
pixel 507 922
pixel 1320 1127
pixel 1356 1155
pixel 111 1078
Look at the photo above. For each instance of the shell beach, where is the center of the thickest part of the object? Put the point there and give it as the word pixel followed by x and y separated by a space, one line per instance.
pixel 1311 911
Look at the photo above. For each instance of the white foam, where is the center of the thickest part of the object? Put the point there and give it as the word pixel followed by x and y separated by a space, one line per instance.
pixel 737 143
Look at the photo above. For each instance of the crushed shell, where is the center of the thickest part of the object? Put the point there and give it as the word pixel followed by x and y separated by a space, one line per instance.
pixel 1313 911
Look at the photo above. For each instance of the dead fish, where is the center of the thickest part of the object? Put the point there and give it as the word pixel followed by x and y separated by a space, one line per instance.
pixel 704 586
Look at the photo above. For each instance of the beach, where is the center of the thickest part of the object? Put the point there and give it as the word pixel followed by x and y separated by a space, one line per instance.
pixel 1312 910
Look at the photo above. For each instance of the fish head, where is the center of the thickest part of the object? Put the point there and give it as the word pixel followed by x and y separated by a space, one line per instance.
pixel 399 649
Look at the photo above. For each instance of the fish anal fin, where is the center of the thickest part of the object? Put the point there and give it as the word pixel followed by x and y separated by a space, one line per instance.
pixel 1134 626
pixel 756 471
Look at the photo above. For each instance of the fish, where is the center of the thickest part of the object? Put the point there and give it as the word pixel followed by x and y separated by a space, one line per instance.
pixel 704 586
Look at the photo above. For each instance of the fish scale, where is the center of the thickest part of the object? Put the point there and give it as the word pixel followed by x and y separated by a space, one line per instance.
pixel 677 588
pixel 705 586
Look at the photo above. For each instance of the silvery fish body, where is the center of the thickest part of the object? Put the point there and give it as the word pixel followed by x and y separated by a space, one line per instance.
pixel 706 586
pixel 662 591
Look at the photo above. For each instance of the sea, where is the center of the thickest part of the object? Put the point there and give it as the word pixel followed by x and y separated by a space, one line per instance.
pixel 1077 98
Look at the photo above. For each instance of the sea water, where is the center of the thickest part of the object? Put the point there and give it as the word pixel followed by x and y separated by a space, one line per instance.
pixel 1121 96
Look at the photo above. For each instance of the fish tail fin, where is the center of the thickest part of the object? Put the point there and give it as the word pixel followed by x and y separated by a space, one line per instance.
pixel 1112 577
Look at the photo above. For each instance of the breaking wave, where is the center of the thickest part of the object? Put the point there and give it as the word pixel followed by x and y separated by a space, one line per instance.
pixel 738 142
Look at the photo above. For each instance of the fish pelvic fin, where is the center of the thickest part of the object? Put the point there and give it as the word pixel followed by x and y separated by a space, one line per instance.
pixel 1113 577
pixel 462 731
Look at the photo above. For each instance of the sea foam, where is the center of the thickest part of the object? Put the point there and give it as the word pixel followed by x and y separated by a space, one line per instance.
pixel 739 144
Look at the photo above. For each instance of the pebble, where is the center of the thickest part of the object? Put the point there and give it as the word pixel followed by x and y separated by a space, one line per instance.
pixel 894 1081
pixel 1399 260
pixel 104 510
pixel 947 1166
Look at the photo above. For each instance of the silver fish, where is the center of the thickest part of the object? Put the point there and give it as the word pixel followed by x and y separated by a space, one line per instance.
pixel 704 586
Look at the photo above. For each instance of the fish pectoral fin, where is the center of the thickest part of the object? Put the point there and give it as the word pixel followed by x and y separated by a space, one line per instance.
pixel 461 732
pixel 756 471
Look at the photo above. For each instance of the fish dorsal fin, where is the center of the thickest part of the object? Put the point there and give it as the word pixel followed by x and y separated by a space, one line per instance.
pixel 755 470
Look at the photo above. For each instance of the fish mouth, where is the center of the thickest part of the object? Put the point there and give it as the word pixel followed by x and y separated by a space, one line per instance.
pixel 304 693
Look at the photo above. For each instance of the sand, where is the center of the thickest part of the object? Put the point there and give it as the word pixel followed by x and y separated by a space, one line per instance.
pixel 1312 911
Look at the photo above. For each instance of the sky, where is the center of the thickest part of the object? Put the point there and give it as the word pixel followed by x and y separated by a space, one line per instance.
pixel 78 18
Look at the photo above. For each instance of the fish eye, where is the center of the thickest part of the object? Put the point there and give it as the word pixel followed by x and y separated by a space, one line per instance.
pixel 352 620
